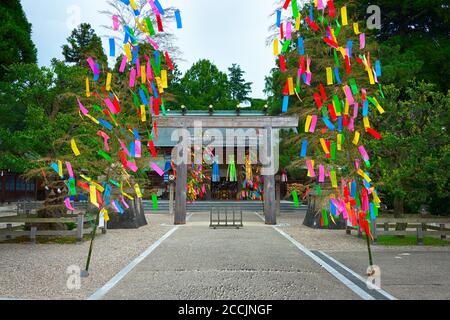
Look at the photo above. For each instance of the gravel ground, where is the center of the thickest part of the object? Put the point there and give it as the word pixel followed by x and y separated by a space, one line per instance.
pixel 39 271
pixel 336 240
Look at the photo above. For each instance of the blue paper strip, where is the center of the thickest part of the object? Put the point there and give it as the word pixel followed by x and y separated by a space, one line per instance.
pixel 178 18
pixel 304 149
pixel 112 47
pixel 301 47
pixel 328 123
pixel 285 104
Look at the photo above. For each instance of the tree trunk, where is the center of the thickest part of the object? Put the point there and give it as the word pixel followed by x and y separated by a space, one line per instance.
pixel 399 206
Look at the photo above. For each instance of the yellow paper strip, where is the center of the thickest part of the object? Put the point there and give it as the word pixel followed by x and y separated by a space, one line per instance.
pixel 366 122
pixel 379 107
pixel 356 138
pixel 127 50
pixel 108 81
pixel 297 22
pixel 329 77
pixel 347 108
pixel 276 48
pixel 75 150
pixel 93 195
pixel 333 179
pixel 92 118
pixel 344 16
pixel 60 168
pixel 356 28
pixel 143 75
pixel 371 78
pixel 164 79
pixel 308 123
pixel 105 214
pixel 339 142
pixel 324 146
pixel 88 90
pixel 365 176
pixel 159 85
pixel 143 114
pixel 291 86
pixel 126 195
pixel 97 186
pixel 138 191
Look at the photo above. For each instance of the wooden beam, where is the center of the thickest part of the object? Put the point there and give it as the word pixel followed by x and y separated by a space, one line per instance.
pixel 290 122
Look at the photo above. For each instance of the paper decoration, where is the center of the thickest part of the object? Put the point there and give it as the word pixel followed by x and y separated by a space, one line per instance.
pixel 155 202
pixel 344 16
pixel 74 147
pixel 295 198
pixel 178 19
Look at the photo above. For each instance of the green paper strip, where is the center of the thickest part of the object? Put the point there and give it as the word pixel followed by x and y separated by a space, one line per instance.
pixel 104 155
pixel 286 45
pixel 114 182
pixel 155 202
pixel 294 8
pixel 381 91
pixel 295 198
pixel 318 190
pixel 338 29
pixel 333 151
pixel 353 86
pixel 325 217
pixel 150 26
pixel 337 104
pixel 336 59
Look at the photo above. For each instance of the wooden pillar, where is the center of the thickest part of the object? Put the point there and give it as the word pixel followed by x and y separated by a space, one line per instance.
pixel 171 197
pixel 270 210
pixel 180 196
pixel 278 194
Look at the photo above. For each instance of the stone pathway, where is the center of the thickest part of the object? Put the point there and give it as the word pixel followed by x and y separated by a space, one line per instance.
pixel 255 262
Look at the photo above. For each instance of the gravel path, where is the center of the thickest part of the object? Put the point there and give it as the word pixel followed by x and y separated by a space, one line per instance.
pixel 39 271
pixel 336 240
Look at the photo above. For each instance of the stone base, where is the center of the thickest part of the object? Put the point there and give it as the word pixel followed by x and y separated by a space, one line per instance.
pixel 133 218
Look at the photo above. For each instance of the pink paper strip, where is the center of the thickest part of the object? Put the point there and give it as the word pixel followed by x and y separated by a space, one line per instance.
pixel 154 8
pixel 357 164
pixel 351 125
pixel 125 203
pixel 115 23
pixel 69 169
pixel 153 43
pixel 349 95
pixel 82 108
pixel 68 204
pixel 362 41
pixel 157 169
pixel 92 64
pixel 138 148
pixel 132 77
pixel 310 168
pixel 138 67
pixel 132 166
pixel 312 128
pixel 115 207
pixel 289 31
pixel 363 152
pixel 355 110
pixel 123 64
pixel 124 148
pixel 321 174
pixel 110 106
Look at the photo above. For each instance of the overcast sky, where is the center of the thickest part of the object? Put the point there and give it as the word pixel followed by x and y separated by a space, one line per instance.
pixel 224 31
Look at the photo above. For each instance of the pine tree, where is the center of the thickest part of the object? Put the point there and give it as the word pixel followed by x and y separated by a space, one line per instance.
pixel 239 88
pixel 329 76
pixel 16 45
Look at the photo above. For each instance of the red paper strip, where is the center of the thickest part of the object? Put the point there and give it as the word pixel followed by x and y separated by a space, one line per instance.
pixel 318 100
pixel 286 4
pixel 347 65
pixel 330 42
pixel 282 64
pixel 322 92
pixel 312 24
pixel 169 61
pixel 331 11
pixel 332 112
pixel 160 25
pixel 374 133
pixel 151 146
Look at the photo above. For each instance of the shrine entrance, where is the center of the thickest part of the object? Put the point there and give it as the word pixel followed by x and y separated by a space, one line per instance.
pixel 225 131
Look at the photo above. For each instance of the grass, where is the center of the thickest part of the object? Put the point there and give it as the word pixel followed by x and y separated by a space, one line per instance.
pixel 46 240
pixel 410 241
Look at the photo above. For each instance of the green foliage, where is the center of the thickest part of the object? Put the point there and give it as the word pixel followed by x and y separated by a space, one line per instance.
pixel 37 103
pixel 202 85
pixel 16 45
pixel 239 89
pixel 413 157
pixel 82 44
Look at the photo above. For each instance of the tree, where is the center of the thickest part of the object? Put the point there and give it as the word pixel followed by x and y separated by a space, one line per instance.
pixel 16 45
pixel 38 105
pixel 239 89
pixel 82 44
pixel 127 17
pixel 420 33
pixel 204 85
pixel 412 159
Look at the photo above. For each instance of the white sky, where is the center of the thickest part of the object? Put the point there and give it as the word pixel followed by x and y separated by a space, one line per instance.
pixel 223 31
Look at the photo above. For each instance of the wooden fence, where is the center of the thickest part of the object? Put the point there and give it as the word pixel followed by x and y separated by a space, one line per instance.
pixel 405 228
pixel 14 232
